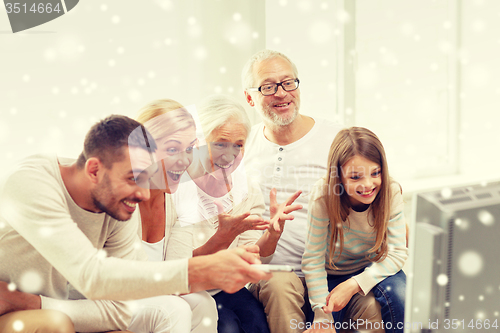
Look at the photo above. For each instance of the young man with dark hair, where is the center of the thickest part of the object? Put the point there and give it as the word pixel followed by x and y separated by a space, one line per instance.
pixel 106 138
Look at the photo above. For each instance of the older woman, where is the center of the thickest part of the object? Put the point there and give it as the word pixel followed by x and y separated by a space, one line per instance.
pixel 227 208
pixel 174 131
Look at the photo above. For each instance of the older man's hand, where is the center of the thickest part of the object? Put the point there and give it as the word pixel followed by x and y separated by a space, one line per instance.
pixel 229 270
pixel 280 213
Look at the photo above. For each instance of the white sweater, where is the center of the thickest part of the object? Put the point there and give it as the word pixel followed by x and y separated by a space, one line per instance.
pixel 48 243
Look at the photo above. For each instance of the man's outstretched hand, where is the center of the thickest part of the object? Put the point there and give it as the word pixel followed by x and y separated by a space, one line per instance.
pixel 229 270
pixel 280 213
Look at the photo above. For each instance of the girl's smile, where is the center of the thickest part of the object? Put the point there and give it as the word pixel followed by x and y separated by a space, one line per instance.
pixel 362 180
pixel 367 193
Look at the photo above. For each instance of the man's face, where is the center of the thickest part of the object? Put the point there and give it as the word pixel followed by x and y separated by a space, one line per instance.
pixel 283 107
pixel 118 191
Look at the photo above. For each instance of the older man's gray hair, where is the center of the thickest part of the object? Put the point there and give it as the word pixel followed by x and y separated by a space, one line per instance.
pixel 247 72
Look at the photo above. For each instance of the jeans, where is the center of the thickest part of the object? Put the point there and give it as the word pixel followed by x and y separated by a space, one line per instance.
pixel 240 312
pixel 390 293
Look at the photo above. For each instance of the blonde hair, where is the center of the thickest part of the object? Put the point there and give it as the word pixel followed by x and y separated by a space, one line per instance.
pixel 164 117
pixel 348 143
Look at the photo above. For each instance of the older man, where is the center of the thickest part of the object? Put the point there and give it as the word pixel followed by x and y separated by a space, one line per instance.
pixel 60 224
pixel 288 151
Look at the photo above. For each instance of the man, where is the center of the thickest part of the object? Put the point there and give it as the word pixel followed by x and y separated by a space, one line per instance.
pixel 288 151
pixel 61 225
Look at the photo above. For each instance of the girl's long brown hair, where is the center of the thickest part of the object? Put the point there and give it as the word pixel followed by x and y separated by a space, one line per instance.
pixel 348 143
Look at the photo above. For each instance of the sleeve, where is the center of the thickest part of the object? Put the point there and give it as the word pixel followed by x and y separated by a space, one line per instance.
pixel 397 252
pixel 254 204
pixel 179 229
pixel 180 242
pixel 256 198
pixel 313 259
pixel 33 202
pixel 103 315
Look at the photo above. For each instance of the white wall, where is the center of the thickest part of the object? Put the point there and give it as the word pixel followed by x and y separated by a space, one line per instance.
pixel 480 98
pixel 424 78
pixel 114 56
pixel 424 74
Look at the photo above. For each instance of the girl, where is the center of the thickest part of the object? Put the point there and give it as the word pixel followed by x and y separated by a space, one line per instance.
pixel 356 225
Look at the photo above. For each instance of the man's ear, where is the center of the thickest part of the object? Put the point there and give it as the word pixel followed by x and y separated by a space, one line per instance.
pixel 92 168
pixel 249 99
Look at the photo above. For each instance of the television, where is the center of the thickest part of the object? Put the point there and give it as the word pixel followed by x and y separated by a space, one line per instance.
pixel 454 282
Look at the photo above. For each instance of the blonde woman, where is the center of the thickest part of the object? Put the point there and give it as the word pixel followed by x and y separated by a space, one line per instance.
pixel 174 131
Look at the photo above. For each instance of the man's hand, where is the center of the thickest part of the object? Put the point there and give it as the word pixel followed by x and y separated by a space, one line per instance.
pixel 230 226
pixel 229 270
pixel 13 300
pixel 279 215
pixel 280 212
pixel 341 295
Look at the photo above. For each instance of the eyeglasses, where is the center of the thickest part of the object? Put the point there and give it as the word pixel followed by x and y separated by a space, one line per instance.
pixel 272 88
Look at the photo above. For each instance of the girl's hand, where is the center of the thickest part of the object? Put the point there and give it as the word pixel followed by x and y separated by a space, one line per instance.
pixel 341 295
pixel 280 212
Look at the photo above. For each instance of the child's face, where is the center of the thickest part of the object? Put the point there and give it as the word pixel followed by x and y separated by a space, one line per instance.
pixel 362 180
